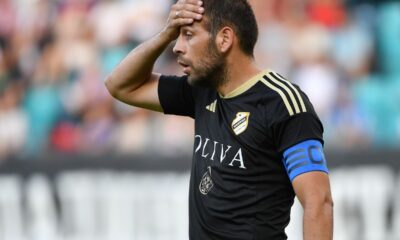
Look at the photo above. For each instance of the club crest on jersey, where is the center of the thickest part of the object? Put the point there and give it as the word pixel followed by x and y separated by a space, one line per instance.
pixel 241 122
pixel 206 182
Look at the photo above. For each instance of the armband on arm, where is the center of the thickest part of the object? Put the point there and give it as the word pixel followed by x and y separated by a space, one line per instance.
pixel 304 157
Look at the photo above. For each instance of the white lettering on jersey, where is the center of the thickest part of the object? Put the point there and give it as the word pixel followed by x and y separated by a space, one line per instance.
pixel 223 149
pixel 215 147
pixel 238 158
pixel 223 153
pixel 205 144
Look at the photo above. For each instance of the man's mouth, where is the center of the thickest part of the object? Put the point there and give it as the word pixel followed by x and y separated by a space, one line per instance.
pixel 186 67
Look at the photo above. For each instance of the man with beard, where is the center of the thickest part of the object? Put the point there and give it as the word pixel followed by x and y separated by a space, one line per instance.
pixel 258 141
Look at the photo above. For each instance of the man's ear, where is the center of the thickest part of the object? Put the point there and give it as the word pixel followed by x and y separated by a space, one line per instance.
pixel 225 39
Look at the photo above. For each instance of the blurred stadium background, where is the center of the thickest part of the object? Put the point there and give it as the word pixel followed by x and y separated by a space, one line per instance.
pixel 75 164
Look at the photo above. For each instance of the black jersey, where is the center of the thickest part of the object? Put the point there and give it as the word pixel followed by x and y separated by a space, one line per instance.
pixel 239 188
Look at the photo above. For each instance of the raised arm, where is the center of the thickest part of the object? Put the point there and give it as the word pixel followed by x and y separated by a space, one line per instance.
pixel 313 191
pixel 133 80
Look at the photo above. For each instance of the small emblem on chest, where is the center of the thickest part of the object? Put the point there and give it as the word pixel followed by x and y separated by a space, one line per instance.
pixel 212 107
pixel 241 122
pixel 206 182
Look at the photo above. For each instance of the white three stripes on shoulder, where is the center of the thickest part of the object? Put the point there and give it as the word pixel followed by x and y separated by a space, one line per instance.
pixel 284 98
pixel 303 106
pixel 273 79
pixel 282 86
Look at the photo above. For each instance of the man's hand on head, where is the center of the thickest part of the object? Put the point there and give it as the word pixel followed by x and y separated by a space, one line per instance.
pixel 182 13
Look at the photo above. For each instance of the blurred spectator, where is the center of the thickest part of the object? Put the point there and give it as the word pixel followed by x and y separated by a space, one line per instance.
pixel 174 135
pixel 313 70
pixel 388 38
pixel 13 120
pixel 273 48
pixel 353 44
pixel 348 126
pixel 378 97
pixel 97 127
pixel 133 134
pixel 42 101
pixel 330 13
pixel 7 21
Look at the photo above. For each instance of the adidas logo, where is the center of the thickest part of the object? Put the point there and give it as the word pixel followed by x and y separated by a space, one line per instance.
pixel 212 106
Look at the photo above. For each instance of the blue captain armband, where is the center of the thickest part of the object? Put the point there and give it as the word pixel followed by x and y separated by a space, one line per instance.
pixel 307 156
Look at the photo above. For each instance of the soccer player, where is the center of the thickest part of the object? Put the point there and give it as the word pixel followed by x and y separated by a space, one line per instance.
pixel 258 141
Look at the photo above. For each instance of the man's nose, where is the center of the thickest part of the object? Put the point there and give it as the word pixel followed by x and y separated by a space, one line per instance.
pixel 178 48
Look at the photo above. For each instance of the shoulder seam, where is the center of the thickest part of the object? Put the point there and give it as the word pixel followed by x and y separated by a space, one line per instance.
pixel 291 97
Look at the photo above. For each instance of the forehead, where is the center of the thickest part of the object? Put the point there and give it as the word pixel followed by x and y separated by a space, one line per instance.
pixel 196 26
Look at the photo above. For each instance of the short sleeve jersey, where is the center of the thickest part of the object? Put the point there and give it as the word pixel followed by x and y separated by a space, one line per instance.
pixel 239 187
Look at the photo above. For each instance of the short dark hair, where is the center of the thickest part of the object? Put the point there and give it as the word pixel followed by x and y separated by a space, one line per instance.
pixel 236 14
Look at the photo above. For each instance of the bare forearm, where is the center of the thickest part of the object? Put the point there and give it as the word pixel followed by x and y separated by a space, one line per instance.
pixel 137 66
pixel 318 222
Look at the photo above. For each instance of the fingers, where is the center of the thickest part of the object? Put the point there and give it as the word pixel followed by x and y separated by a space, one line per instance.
pixel 181 21
pixel 187 9
pixel 183 12
pixel 187 14
pixel 192 2
pixel 191 5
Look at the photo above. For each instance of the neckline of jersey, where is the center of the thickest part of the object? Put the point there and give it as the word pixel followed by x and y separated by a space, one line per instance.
pixel 245 86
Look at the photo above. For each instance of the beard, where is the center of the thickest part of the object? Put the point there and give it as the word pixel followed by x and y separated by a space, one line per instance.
pixel 211 70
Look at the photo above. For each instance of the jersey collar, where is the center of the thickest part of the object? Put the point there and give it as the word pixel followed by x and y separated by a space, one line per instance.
pixel 245 86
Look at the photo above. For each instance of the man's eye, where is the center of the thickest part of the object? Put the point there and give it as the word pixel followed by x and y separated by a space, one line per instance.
pixel 187 34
